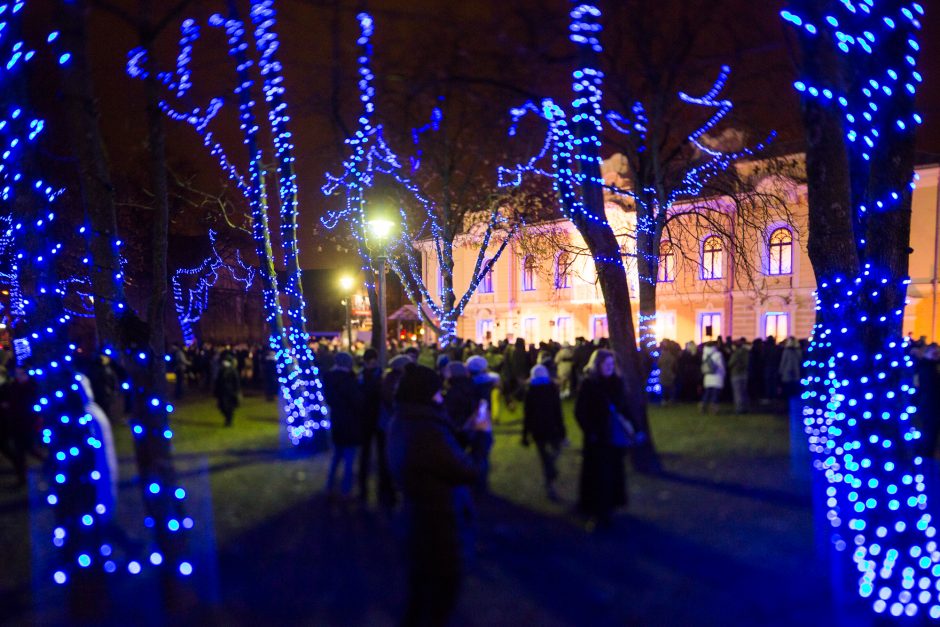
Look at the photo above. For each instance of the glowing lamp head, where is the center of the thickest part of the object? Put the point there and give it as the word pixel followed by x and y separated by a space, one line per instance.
pixel 380 230
pixel 347 283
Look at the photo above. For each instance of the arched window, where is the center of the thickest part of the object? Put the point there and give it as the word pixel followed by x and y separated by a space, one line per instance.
pixel 528 273
pixel 486 283
pixel 562 270
pixel 780 252
pixel 667 263
pixel 713 258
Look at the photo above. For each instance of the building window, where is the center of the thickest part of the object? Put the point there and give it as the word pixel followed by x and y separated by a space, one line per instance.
pixel 530 330
pixel 485 331
pixel 665 325
pixel 528 273
pixel 709 327
pixel 562 271
pixel 713 257
pixel 486 283
pixel 667 263
pixel 780 251
pixel 564 330
pixel 599 327
pixel 777 325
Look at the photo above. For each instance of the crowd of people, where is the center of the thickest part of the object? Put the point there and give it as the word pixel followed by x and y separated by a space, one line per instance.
pixel 420 431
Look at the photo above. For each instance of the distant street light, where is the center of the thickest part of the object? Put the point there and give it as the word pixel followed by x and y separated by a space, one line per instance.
pixel 380 232
pixel 347 283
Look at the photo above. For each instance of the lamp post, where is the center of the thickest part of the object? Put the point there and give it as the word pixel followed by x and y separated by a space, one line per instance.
pixel 380 230
pixel 347 282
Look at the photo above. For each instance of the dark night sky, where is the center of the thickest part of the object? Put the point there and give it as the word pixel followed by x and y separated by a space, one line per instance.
pixel 508 47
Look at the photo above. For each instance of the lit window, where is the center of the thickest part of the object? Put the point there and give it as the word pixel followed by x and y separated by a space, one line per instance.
pixel 777 325
pixel 713 257
pixel 667 263
pixel 709 327
pixel 530 329
pixel 485 330
pixel 562 270
pixel 780 250
pixel 486 283
pixel 528 274
pixel 564 329
pixel 599 327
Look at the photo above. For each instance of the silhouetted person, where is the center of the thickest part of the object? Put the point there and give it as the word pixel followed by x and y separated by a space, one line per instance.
pixel 344 397
pixel 601 401
pixel 370 381
pixel 227 388
pixel 543 422
pixel 433 473
pixel 17 398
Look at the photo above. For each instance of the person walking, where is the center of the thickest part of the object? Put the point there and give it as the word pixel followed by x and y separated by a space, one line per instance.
pixel 791 360
pixel 227 388
pixel 370 382
pixel 738 368
pixel 602 413
pixel 344 397
pixel 543 422
pixel 484 383
pixel 713 377
pixel 460 398
pixel 433 473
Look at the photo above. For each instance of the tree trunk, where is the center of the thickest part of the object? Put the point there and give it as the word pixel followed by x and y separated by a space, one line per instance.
pixel 94 175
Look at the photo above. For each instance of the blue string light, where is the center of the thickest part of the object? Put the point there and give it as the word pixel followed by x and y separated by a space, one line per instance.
pixel 371 156
pixel 858 398
pixel 298 375
pixel 79 475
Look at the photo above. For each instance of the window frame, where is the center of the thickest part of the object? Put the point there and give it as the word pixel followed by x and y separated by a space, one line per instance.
pixel 562 279
pixel 485 286
pixel 666 252
pixel 528 274
pixel 785 248
pixel 715 274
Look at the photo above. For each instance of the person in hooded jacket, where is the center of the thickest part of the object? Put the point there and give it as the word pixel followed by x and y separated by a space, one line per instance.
pixel 370 381
pixel 343 395
pixel 543 422
pixel 433 472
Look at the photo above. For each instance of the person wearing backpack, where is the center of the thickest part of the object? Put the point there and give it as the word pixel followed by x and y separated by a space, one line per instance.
pixel 713 373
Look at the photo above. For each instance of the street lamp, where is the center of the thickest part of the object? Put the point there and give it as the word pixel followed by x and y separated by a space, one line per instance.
pixel 347 283
pixel 380 231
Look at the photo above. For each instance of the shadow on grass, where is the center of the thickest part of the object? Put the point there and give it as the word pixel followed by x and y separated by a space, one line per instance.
pixel 778 497
pixel 324 564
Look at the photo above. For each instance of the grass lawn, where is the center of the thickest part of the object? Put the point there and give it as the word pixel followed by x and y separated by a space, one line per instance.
pixel 723 537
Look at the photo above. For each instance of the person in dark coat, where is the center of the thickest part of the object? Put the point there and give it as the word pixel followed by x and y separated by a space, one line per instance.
pixel 17 420
pixel 343 395
pixel 484 382
pixel 433 473
pixel 460 399
pixel 269 374
pixel 543 422
pixel 602 397
pixel 690 374
pixel 228 387
pixel 371 384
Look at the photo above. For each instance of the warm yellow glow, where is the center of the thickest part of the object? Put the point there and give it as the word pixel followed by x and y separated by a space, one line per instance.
pixel 5 292
pixel 347 282
pixel 381 229
pixel 421 331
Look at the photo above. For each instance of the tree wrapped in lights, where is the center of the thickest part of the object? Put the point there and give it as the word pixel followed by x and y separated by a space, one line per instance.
pixel 191 302
pixel 573 145
pixel 78 478
pixel 859 79
pixel 666 166
pixel 298 375
pixel 372 158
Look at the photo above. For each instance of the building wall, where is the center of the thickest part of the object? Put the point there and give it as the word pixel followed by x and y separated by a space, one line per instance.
pixel 739 303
